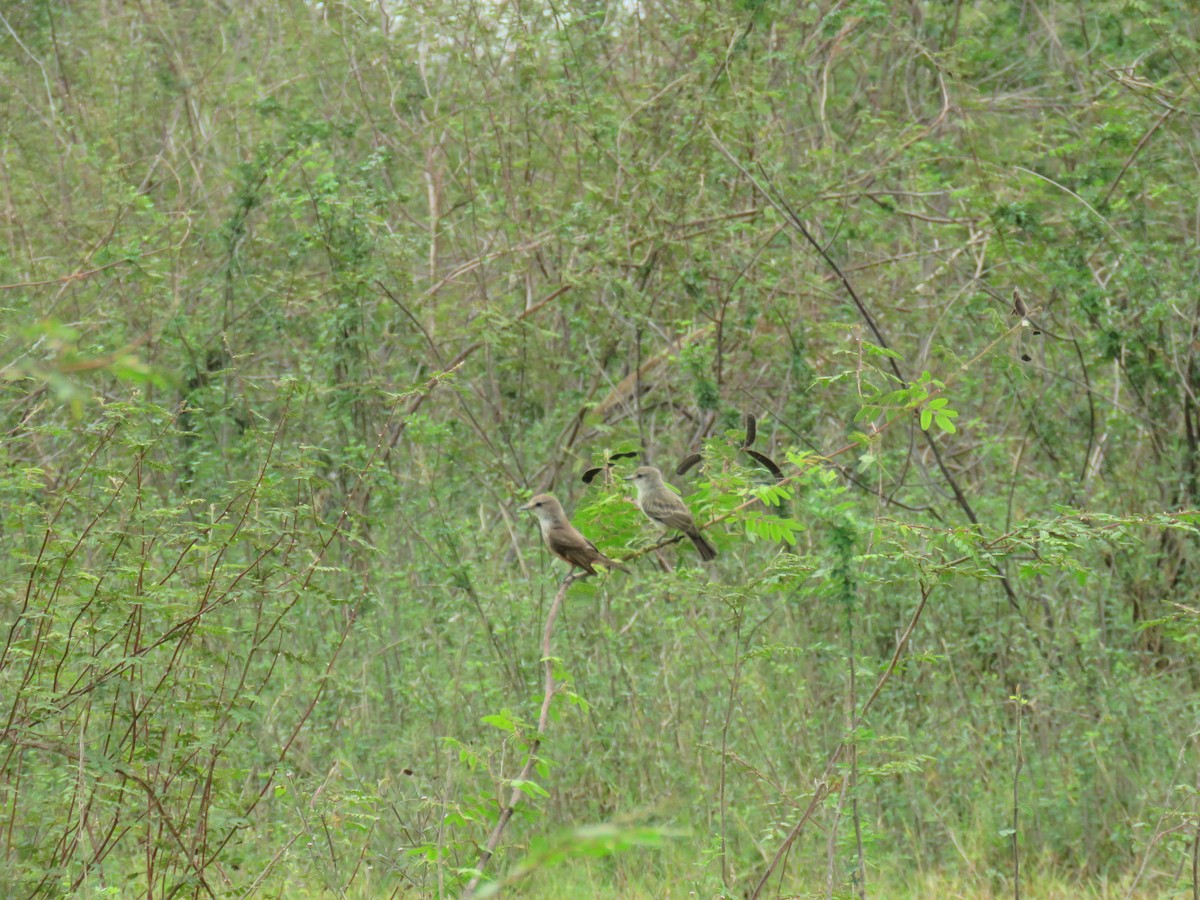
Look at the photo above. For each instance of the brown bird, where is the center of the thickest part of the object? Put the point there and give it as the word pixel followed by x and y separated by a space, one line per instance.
pixel 661 505
pixel 563 539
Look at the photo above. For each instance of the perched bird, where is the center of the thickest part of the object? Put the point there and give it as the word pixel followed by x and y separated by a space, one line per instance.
pixel 661 505
pixel 563 539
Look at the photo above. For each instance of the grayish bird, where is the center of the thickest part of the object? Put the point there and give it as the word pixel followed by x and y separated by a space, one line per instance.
pixel 563 539
pixel 661 505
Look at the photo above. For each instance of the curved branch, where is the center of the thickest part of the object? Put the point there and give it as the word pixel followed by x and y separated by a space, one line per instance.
pixel 773 196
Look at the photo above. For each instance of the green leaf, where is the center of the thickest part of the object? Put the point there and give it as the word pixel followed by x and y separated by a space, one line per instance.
pixel 529 788
pixel 502 721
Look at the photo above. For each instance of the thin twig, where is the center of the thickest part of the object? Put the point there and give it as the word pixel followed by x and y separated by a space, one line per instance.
pixel 1016 806
pixel 823 783
pixel 531 755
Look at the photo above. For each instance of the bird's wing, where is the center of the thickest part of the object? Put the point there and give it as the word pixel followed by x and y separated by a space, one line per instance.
pixel 670 511
pixel 572 546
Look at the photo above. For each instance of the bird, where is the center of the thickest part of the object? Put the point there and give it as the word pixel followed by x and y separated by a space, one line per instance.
pixel 563 539
pixel 661 505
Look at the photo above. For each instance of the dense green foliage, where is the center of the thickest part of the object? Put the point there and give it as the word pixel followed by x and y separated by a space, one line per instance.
pixel 301 300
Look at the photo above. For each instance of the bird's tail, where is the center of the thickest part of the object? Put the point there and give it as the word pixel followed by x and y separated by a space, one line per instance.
pixel 612 564
pixel 706 550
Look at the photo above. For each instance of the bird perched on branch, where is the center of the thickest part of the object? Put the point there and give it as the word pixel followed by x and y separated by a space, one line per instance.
pixel 661 505
pixel 563 539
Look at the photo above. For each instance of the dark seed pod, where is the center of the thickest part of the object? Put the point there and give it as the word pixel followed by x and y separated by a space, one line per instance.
pixel 767 463
pixel 687 463
pixel 751 429
pixel 627 455
pixel 1025 357
pixel 1019 308
pixel 590 474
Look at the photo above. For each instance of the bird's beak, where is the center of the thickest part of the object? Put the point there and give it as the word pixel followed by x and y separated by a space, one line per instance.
pixel 523 508
pixel 629 478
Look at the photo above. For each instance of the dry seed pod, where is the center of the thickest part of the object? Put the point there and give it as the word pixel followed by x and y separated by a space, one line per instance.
pixel 1019 307
pixel 590 475
pixel 751 429
pixel 687 463
pixel 767 463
